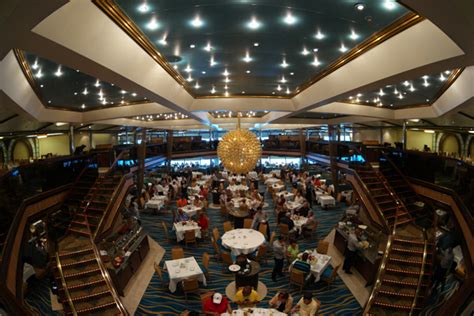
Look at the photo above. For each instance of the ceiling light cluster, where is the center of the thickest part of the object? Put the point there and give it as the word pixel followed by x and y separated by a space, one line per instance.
pixel 233 114
pixel 427 85
pixel 161 117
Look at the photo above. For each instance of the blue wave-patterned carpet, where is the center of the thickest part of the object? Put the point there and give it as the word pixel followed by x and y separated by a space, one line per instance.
pixel 336 299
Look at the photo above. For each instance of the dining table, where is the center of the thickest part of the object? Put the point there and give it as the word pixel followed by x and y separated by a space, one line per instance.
pixel 181 227
pixel 299 221
pixel 318 262
pixel 190 209
pixel 242 240
pixel 181 269
pixel 327 200
pixel 254 312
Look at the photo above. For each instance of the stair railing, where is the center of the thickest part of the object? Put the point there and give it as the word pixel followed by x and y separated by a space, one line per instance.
pixel 64 285
pixel 398 201
pixel 422 273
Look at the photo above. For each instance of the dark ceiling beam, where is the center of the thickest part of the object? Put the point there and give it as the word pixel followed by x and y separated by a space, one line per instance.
pixel 390 123
pixel 429 122
pixel 466 115
pixel 8 118
pixel 45 126
pixel 83 127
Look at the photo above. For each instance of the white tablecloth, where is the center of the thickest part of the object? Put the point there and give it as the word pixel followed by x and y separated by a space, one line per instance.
pixel 190 225
pixel 277 187
pixel 237 178
pixel 242 240
pixel 271 181
pixel 292 206
pixel 347 195
pixel 287 195
pixel 276 171
pixel 299 221
pixel 181 269
pixel 255 312
pixel 326 200
pixel 194 190
pixel 321 264
pixel 235 188
pixel 191 210
pixel 197 174
pixel 319 194
pixel 252 175
pixel 236 202
pixel 155 203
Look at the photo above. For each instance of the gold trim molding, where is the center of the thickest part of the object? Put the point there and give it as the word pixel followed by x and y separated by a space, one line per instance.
pixel 113 11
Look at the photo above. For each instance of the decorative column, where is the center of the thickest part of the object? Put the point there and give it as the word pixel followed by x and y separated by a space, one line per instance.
pixel 404 135
pixel 141 155
pixel 302 148
pixel 169 147
pixel 332 131
pixel 72 147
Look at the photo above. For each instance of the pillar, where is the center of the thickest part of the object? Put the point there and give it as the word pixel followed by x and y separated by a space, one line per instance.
pixel 332 131
pixel 302 148
pixel 141 155
pixel 90 139
pixel 404 135
pixel 72 147
pixel 169 147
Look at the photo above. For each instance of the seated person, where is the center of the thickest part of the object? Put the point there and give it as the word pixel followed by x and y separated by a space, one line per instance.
pixel 216 305
pixel 197 202
pixel 303 211
pixel 288 221
pixel 203 221
pixel 302 264
pixel 203 192
pixel 246 297
pixel 310 222
pixel 182 217
pixel 306 306
pixel 282 302
pixel 292 251
pixel 299 199
pixel 182 202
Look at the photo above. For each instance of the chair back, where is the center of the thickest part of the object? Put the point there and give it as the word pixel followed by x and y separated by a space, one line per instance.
pixel 165 229
pixel 189 236
pixel 272 238
pixel 227 258
pixel 215 234
pixel 262 251
pixel 227 226
pixel 205 260
pixel 323 247
pixel 248 223
pixel 263 229
pixel 333 275
pixel 224 210
pixel 190 285
pixel 283 229
pixel 296 277
pixel 177 253
pixel 158 271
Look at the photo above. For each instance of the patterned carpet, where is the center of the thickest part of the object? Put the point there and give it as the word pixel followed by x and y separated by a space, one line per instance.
pixel 336 299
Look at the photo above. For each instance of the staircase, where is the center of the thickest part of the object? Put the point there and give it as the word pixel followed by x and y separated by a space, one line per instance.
pixel 405 279
pixel 384 196
pixel 83 283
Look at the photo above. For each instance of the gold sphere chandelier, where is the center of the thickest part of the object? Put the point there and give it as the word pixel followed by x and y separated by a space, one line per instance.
pixel 239 150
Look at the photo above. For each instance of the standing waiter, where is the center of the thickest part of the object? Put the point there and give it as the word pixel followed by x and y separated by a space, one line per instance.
pixel 351 251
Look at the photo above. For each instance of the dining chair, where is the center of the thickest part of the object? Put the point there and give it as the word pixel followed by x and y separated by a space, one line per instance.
pixel 216 234
pixel 330 275
pixel 248 223
pixel 227 226
pixel 226 260
pixel 160 275
pixel 261 253
pixel 165 229
pixel 177 253
pixel 272 239
pixel 190 237
pixel 190 286
pixel 224 210
pixel 309 231
pixel 205 264
pixel 284 231
pixel 323 247
pixel 263 229
pixel 217 252
pixel 297 278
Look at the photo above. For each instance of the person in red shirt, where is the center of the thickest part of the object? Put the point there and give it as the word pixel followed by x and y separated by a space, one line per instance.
pixel 204 192
pixel 182 202
pixel 203 222
pixel 216 305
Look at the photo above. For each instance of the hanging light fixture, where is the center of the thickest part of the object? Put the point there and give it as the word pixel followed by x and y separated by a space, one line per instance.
pixel 239 150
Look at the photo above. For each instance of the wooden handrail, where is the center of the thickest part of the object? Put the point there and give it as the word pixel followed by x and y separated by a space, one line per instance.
pixel 422 273
pixel 64 284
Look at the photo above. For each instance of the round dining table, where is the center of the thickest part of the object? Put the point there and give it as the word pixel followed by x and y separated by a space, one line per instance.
pixel 242 240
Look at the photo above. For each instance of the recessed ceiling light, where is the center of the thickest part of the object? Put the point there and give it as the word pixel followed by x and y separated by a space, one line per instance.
pixel 163 41
pixel 273 92
pixel 471 132
pixel 287 90
pixel 212 62
pixel 197 86
pixel 256 44
pixel 442 77
pixel 41 86
pixel 153 24
pixel 189 79
pixel 429 131
pixel 35 65
pixel 83 107
pixel 289 19
pixel 123 91
pixel 359 6
pixel 58 72
pixel 315 62
pixel 447 72
pixel 208 47
pixel 283 80
pixel 226 73
pixel 226 80
pixel 354 35
pixel 243 92
pixel 97 83
pixel 279 88
pixel 226 94
pixel 188 68
pixel 381 93
pixel 319 35
pixel 315 50
pixel 75 93
pixel 197 22
pixel 39 74
pixel 412 88
pixel 248 71
pixel 305 51
pixel 247 57
pixel 389 4
pixel 427 100
pixel 343 48
pixel 175 66
pixel 143 8
pixel 192 46
pixel 203 72
pixel 134 94
pixel 254 23
pixel 226 87
pixel 292 73
pixel 284 64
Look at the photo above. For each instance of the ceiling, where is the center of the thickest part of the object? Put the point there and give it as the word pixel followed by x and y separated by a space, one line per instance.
pixel 259 47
